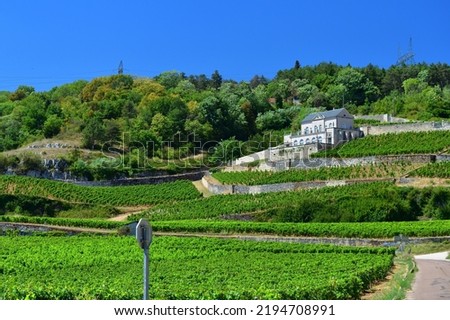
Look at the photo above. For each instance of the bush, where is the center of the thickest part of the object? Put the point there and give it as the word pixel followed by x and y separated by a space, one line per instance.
pixel 29 161
pixel 438 206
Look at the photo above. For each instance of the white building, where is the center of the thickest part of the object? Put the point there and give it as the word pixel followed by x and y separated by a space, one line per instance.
pixel 328 127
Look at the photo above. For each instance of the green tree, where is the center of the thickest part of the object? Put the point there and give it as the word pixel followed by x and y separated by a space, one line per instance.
pixel 358 88
pixel 226 151
pixel 258 80
pixel 173 108
pixel 93 134
pixel 162 127
pixel 11 135
pixel 21 93
pixel 216 80
pixel 64 91
pixel 170 79
pixel 336 95
pixel 438 206
pixel 80 169
pixel 226 120
pixel 52 126
pixel 201 82
pixel 201 131
pixel 31 113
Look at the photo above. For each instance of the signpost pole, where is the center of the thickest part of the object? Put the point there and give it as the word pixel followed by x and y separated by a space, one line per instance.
pixel 144 239
pixel 146 272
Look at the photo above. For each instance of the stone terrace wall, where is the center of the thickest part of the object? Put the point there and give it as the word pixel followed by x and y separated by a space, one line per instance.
pixel 216 187
pixel 405 127
pixel 192 176
pixel 314 163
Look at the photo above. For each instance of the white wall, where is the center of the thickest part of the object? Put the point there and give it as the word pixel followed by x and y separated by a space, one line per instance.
pixel 331 122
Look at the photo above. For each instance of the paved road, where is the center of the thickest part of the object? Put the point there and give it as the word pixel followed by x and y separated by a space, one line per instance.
pixel 432 281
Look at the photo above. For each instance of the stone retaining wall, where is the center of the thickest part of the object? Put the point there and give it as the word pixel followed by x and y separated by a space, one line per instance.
pixel 313 163
pixel 192 176
pixel 347 241
pixel 25 229
pixel 216 187
pixel 406 127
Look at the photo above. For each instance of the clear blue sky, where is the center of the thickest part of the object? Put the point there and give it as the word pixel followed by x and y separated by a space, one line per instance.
pixel 46 43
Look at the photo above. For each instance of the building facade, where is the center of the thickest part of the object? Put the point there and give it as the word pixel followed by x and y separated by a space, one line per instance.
pixel 328 127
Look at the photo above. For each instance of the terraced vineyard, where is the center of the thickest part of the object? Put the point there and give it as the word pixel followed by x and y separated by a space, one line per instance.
pixel 364 202
pixel 392 144
pixel 110 267
pixel 369 230
pixel 375 230
pixel 115 196
pixel 325 173
pixel 88 267
pixel 433 170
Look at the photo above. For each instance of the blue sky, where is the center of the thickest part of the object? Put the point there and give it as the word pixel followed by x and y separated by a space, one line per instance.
pixel 47 43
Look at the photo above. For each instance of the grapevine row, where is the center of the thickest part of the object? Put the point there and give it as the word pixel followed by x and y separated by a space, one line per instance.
pixel 381 170
pixel 434 170
pixel 364 202
pixel 392 144
pixel 374 230
pixel 111 268
pixel 369 230
pixel 115 196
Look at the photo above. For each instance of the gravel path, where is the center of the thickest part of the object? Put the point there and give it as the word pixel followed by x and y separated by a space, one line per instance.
pixel 432 280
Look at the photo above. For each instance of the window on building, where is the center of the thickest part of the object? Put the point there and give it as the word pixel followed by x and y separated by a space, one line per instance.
pixel 301 141
pixel 295 142
pixel 307 141
pixel 320 128
pixel 313 140
pixel 315 129
pixel 306 130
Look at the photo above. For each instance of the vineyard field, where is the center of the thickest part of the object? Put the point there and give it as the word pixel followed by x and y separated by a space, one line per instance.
pixel 364 202
pixel 325 173
pixel 375 230
pixel 392 144
pixel 115 196
pixel 368 230
pixel 107 267
pixel 433 170
pixel 65 222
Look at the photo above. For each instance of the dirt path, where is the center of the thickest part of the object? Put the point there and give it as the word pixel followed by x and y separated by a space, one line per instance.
pixel 432 278
pixel 128 211
pixel 60 228
pixel 426 182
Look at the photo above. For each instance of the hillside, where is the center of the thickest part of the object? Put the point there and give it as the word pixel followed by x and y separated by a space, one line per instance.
pixel 146 122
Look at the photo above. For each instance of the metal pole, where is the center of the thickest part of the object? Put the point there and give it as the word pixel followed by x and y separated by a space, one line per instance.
pixel 146 273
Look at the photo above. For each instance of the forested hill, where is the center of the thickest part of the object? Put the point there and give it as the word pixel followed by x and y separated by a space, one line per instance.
pixel 154 109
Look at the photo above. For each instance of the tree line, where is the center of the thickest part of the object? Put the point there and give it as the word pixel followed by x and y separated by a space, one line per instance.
pixel 174 115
